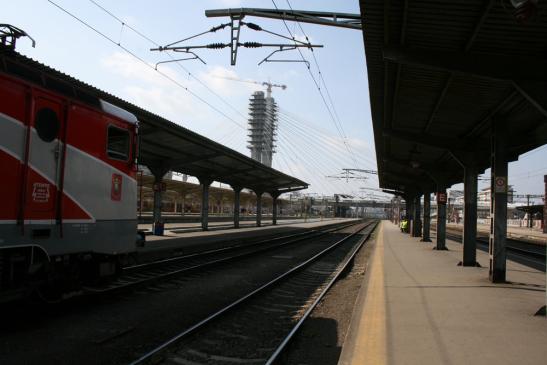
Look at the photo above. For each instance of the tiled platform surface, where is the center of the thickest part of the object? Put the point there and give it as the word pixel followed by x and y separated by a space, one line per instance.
pixel 418 307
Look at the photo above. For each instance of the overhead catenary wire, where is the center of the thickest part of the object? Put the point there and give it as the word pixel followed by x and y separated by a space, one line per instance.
pixel 312 158
pixel 297 123
pixel 250 25
pixel 320 74
pixel 142 35
pixel 313 174
pixel 331 114
pixel 311 154
pixel 325 140
pixel 167 76
pixel 321 167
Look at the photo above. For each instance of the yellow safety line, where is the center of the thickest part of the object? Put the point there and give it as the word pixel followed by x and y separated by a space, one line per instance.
pixel 370 347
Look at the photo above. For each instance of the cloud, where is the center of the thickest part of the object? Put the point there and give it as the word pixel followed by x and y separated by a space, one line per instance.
pixel 224 81
pixel 129 67
pixel 171 97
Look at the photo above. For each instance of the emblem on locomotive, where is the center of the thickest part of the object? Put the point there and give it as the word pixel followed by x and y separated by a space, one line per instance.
pixel 116 191
pixel 40 192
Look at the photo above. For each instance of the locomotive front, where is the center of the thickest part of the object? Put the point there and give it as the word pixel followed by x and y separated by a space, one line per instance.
pixel 69 191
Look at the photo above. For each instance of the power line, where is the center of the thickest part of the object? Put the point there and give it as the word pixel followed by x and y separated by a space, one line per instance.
pixel 336 123
pixel 145 63
pixel 326 141
pixel 320 74
pixel 316 131
pixel 142 35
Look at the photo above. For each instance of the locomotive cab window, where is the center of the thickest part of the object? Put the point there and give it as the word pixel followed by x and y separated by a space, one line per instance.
pixel 47 124
pixel 118 143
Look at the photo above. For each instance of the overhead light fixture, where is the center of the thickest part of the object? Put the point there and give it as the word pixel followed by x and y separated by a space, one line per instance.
pixel 524 9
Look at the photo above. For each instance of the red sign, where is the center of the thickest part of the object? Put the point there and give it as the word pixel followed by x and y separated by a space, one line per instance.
pixel 116 190
pixel 441 198
pixel 500 184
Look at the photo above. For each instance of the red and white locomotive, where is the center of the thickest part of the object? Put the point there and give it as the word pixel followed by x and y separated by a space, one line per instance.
pixel 68 192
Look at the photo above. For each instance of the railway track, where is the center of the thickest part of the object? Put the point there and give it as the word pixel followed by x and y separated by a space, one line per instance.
pixel 256 327
pixel 150 273
pixel 524 253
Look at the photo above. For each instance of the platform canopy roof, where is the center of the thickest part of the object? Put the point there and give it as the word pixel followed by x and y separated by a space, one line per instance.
pixel 164 145
pixel 441 75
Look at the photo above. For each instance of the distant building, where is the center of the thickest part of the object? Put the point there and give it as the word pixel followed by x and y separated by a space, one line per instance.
pixel 262 127
pixel 485 194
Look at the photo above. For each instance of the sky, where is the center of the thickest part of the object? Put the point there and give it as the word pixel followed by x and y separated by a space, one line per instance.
pixel 325 121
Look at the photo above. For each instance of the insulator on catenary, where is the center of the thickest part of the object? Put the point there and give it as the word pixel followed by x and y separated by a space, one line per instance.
pixel 253 26
pixel 217 45
pixel 219 27
pixel 251 44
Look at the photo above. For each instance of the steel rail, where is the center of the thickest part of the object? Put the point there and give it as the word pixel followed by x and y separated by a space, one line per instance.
pixel 339 272
pixel 149 355
pixel 157 276
pixel 521 251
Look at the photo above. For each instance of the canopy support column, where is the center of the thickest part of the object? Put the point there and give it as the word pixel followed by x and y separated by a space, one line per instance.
pixel 417 226
pixel 237 204
pixel 470 216
pixel 258 208
pixel 274 196
pixel 498 206
pixel 426 236
pixel 158 187
pixel 205 183
pixel 441 219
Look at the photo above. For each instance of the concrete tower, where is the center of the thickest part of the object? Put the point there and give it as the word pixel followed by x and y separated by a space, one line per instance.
pixel 262 127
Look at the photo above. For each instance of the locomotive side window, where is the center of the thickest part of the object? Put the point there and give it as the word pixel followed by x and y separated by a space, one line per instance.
pixel 118 143
pixel 47 124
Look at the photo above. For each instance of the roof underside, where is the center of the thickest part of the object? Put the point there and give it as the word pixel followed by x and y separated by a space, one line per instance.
pixel 441 74
pixel 163 145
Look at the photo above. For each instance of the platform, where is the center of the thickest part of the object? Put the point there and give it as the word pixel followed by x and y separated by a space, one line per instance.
pixel 226 224
pixel 179 240
pixel 418 307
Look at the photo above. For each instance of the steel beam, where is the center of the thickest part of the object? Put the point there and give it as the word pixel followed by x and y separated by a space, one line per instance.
pixel 344 20
pixel 426 236
pixel 440 142
pixel 534 92
pixel 438 103
pixel 498 207
pixel 190 159
pixel 496 67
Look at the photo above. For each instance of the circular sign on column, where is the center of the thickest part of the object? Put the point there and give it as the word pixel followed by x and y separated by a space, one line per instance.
pixel 500 184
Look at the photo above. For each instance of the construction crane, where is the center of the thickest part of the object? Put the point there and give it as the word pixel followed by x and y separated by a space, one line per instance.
pixel 268 84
